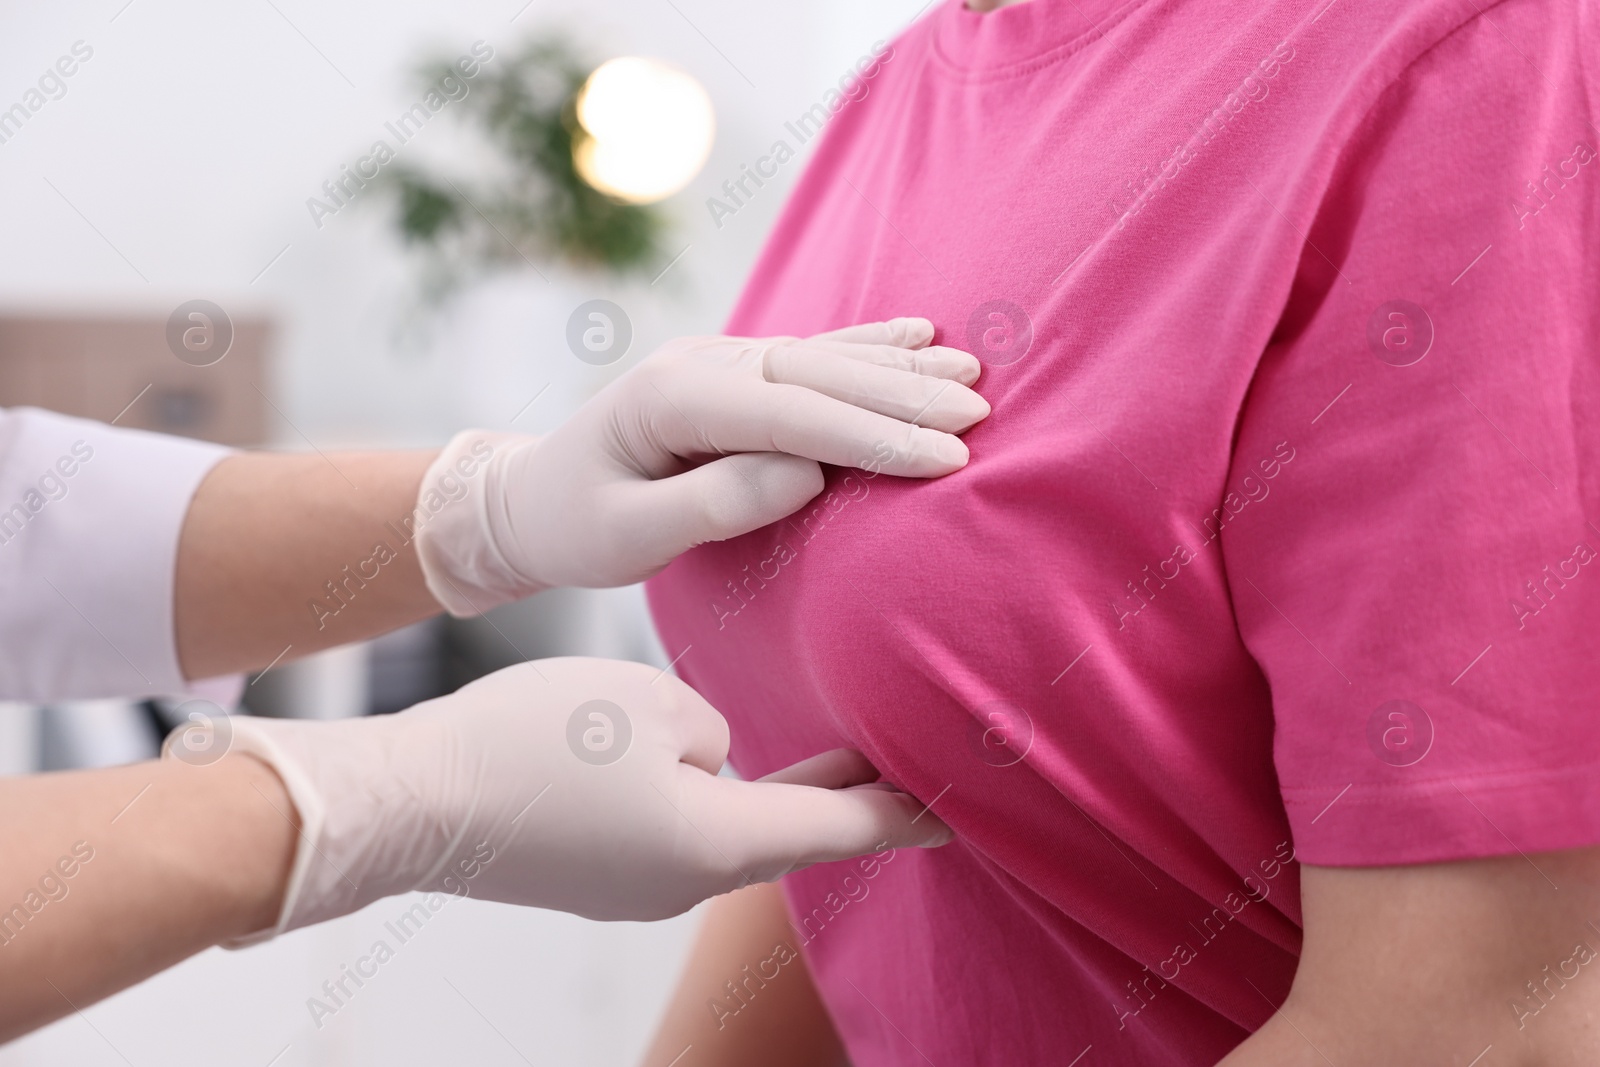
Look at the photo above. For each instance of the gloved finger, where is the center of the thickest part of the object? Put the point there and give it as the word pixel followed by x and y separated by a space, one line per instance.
pixel 901 333
pixel 936 403
pixel 702 731
pixel 835 769
pixel 936 361
pixel 717 500
pixel 804 422
pixel 759 416
pixel 769 829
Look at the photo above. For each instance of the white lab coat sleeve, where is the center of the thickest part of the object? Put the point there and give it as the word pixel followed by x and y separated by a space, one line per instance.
pixel 90 517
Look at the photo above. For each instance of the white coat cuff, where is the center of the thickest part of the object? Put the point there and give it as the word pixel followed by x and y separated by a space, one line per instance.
pixel 90 517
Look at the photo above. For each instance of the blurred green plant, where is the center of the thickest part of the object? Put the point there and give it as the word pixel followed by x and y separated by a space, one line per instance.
pixel 538 205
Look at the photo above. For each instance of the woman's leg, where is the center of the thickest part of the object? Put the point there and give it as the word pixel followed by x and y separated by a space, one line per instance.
pixel 746 995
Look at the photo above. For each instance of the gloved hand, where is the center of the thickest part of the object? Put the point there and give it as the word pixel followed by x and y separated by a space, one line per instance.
pixel 633 479
pixel 582 785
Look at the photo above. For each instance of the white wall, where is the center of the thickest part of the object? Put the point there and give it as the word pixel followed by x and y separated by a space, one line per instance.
pixel 193 137
pixel 181 157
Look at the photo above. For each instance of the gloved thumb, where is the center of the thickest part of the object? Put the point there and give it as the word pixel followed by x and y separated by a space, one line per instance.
pixel 722 499
pixel 783 828
pixel 837 768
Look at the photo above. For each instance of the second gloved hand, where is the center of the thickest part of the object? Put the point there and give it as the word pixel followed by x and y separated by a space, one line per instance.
pixel 708 438
pixel 583 785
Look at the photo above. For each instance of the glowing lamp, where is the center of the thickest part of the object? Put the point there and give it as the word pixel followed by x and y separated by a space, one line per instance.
pixel 647 129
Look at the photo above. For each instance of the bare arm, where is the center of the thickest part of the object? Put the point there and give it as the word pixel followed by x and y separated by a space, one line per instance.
pixel 1433 964
pixel 779 1022
pixel 113 875
pixel 266 533
pixel 610 497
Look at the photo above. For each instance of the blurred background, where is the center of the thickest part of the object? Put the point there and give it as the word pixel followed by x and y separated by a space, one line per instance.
pixel 203 153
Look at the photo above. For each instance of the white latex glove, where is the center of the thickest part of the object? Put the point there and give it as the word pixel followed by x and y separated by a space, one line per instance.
pixel 511 789
pixel 633 479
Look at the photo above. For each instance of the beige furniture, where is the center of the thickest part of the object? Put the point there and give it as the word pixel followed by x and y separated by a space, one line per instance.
pixel 95 366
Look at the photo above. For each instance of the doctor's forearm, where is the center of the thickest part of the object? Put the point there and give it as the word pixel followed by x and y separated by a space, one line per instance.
pixel 299 552
pixel 110 876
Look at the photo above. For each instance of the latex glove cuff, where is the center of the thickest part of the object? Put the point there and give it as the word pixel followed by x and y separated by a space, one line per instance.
pixel 378 841
pixel 460 512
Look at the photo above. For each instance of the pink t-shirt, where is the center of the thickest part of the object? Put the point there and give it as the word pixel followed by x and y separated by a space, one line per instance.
pixel 1277 541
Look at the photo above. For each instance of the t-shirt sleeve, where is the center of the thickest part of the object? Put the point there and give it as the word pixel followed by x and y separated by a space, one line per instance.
pixel 1420 580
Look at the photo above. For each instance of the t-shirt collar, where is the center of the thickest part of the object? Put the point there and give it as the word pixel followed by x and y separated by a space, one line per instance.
pixel 1020 33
